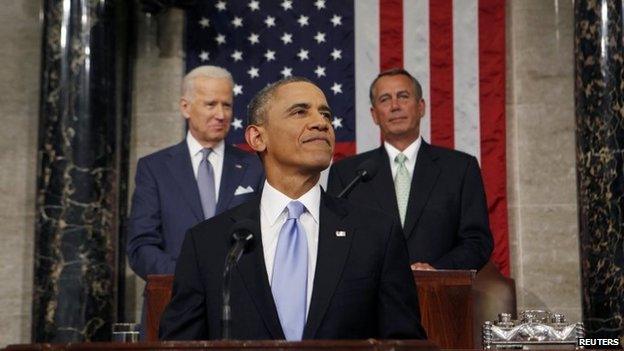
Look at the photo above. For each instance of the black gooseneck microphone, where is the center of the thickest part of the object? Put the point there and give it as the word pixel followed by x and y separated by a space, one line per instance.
pixel 365 172
pixel 242 235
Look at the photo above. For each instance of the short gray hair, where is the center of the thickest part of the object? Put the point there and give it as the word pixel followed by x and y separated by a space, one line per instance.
pixel 188 85
pixel 395 72
pixel 257 108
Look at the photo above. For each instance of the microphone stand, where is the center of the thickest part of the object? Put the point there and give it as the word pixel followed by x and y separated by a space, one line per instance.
pixel 232 259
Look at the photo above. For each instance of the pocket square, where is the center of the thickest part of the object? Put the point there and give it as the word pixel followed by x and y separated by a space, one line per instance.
pixel 240 190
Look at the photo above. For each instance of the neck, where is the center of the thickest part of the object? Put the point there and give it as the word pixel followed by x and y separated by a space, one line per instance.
pixel 205 144
pixel 292 185
pixel 401 143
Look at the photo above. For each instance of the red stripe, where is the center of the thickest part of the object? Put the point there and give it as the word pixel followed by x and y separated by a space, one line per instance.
pixel 441 71
pixel 343 149
pixel 390 34
pixel 492 119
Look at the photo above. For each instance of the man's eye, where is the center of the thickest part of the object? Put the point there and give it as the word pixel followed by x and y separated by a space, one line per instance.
pixel 327 115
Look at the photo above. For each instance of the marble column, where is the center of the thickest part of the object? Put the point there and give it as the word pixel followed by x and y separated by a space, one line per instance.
pixel 79 162
pixel 599 97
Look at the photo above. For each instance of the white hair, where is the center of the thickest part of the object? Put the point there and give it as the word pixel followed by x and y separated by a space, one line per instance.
pixel 202 72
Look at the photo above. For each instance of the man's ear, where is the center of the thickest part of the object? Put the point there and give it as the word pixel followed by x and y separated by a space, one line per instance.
pixel 255 137
pixel 185 106
pixel 374 115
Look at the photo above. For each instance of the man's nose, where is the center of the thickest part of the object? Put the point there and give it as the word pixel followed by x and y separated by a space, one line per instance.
pixel 320 122
pixel 219 111
pixel 394 104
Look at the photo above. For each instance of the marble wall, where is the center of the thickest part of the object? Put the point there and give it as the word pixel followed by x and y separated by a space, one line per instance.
pixel 20 36
pixel 541 155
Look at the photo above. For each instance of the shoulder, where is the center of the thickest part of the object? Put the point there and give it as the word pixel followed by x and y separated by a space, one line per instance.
pixel 242 155
pixel 360 216
pixel 449 155
pixel 162 154
pixel 349 164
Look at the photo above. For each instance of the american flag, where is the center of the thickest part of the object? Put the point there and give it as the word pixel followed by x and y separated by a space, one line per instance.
pixel 455 48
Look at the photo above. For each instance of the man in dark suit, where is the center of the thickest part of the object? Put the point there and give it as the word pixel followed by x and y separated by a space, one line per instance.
pixel 436 193
pixel 319 267
pixel 184 184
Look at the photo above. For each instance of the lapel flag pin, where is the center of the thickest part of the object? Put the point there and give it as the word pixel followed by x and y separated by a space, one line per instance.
pixel 238 166
pixel 341 233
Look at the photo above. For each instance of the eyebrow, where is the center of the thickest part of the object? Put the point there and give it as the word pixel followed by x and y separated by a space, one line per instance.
pixel 307 106
pixel 390 94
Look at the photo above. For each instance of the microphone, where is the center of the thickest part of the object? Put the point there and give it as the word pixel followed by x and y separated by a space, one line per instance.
pixel 365 172
pixel 242 235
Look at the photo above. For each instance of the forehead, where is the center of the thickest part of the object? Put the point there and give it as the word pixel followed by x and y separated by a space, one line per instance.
pixel 393 83
pixel 299 92
pixel 206 85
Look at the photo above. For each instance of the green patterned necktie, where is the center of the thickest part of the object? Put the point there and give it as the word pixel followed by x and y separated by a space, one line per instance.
pixel 402 183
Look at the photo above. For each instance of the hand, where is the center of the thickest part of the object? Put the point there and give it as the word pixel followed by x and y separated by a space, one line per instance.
pixel 421 266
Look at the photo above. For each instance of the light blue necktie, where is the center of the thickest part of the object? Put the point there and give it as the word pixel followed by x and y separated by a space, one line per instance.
pixel 289 282
pixel 206 185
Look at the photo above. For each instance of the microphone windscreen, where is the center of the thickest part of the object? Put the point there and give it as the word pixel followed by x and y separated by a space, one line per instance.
pixel 368 169
pixel 243 228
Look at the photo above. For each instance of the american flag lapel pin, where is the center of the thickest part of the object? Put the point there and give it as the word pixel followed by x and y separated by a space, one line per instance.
pixel 238 166
pixel 341 233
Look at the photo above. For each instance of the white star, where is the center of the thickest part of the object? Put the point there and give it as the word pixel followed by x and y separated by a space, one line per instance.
pixel 320 4
pixel 237 22
pixel 238 123
pixel 336 20
pixel 254 5
pixel 270 21
pixel 303 54
pixel 220 6
pixel 254 38
pixel 336 54
pixel 220 39
pixel 336 88
pixel 238 89
pixel 204 22
pixel 286 72
pixel 286 38
pixel 303 20
pixel 319 37
pixel 270 55
pixel 287 5
pixel 237 55
pixel 253 72
pixel 204 56
pixel 320 71
pixel 336 122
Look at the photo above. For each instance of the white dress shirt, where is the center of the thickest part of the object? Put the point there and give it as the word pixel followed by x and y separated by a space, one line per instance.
pixel 411 152
pixel 273 215
pixel 215 158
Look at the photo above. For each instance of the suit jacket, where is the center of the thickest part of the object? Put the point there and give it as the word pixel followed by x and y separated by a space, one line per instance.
pixel 446 222
pixel 166 203
pixel 363 286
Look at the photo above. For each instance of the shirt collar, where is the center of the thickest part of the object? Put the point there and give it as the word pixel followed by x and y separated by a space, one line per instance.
pixel 273 202
pixel 410 152
pixel 195 147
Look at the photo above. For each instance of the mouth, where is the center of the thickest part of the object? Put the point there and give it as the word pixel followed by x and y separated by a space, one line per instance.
pixel 317 139
pixel 397 119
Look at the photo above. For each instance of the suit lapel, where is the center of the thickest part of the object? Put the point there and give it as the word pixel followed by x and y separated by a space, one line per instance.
pixel 332 255
pixel 383 184
pixel 233 171
pixel 182 170
pixel 252 269
pixel 425 175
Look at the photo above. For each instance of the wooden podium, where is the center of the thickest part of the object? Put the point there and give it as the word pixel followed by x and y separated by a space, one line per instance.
pixel 445 298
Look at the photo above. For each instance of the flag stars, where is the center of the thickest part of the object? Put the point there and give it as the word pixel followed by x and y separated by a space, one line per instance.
pixel 286 72
pixel 220 39
pixel 238 89
pixel 254 5
pixel 269 55
pixel 303 20
pixel 204 22
pixel 220 5
pixel 287 5
pixel 336 88
pixel 203 56
pixel 237 55
pixel 337 122
pixel 237 22
pixel 336 20
pixel 319 37
pixel 269 21
pixel 253 72
pixel 238 123
pixel 303 54
pixel 320 4
pixel 336 54
pixel 254 38
pixel 286 38
pixel 319 71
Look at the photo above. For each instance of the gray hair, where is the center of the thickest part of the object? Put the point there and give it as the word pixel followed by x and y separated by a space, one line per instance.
pixel 257 108
pixel 188 85
pixel 395 72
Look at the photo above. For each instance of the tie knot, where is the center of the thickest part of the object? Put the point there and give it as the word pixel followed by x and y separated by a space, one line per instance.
pixel 400 158
pixel 295 209
pixel 206 152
